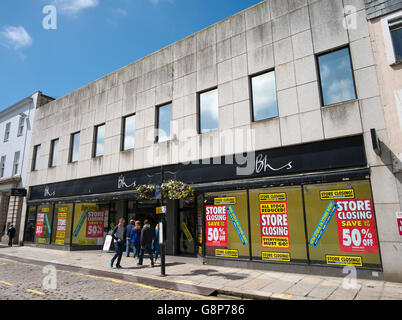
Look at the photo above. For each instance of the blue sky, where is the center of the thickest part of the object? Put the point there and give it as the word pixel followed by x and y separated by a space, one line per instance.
pixel 92 39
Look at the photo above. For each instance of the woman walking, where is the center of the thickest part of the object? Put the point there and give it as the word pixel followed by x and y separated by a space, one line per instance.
pixel 135 236
pixel 157 247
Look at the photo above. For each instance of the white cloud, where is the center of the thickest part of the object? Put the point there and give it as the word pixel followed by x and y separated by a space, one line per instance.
pixel 74 6
pixel 16 37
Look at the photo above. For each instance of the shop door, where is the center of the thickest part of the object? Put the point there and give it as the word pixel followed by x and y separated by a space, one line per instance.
pixel 187 232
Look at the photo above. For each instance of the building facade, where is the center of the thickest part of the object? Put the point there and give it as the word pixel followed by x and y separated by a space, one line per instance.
pixel 267 114
pixel 385 29
pixel 16 127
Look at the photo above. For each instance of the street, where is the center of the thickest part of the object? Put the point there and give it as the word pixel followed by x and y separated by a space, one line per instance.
pixel 25 281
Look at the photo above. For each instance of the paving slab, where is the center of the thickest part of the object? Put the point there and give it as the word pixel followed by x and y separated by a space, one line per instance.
pixel 324 289
pixel 190 273
pixel 304 286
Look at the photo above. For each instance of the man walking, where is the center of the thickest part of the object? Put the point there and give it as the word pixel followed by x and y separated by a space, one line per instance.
pixel 11 233
pixel 118 235
pixel 128 239
pixel 147 236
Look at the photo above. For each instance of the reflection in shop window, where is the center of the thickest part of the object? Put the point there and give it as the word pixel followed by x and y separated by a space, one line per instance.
pixel 30 225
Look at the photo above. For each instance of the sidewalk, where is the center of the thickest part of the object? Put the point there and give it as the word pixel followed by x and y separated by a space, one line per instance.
pixel 188 274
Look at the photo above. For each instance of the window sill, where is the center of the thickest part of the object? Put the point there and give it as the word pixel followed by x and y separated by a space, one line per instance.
pixel 340 103
pixel 265 120
pixel 127 150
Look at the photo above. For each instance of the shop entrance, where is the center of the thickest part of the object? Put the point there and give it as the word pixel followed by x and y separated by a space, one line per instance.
pixel 187 227
pixel 143 210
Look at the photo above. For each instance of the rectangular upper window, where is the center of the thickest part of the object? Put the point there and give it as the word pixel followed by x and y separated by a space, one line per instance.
pixel 2 166
pixel 128 133
pixel 7 132
pixel 336 76
pixel 74 147
pixel 16 163
pixel 35 158
pixel 209 111
pixel 265 105
pixel 164 118
pixel 53 152
pixel 99 140
pixel 395 27
pixel 21 126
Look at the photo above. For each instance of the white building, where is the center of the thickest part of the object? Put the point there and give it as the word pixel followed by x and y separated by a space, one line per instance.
pixel 297 80
pixel 15 138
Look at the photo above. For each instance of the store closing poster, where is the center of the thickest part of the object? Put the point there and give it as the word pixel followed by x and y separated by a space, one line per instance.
pixel 216 226
pixel 274 222
pixel 356 226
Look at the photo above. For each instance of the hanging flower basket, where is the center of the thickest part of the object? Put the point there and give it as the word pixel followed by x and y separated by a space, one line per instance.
pixel 172 189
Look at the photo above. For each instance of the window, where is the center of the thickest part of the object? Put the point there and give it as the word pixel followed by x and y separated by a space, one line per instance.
pixel 7 132
pixel 351 233
pixel 164 116
pixel 2 166
pixel 21 126
pixel 395 27
pixel 265 105
pixel 99 140
pixel 336 75
pixel 128 133
pixel 89 223
pixel 53 152
pixel 74 147
pixel 209 111
pixel 16 162
pixel 43 225
pixel 226 224
pixel 35 159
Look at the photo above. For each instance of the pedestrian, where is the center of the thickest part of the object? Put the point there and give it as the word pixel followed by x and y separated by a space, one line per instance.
pixel 118 235
pixel 147 236
pixel 128 239
pixel 11 233
pixel 157 247
pixel 135 237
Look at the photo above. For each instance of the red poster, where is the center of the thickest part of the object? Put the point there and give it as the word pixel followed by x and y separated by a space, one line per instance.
pixel 95 224
pixel 356 226
pixel 399 222
pixel 216 226
pixel 40 221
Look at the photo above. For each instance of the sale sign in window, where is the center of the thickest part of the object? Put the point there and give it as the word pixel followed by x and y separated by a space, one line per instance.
pixel 356 226
pixel 216 226
pixel 274 225
pixel 61 225
pixel 40 223
pixel 95 224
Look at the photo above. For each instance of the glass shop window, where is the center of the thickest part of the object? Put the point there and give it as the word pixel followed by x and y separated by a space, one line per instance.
pixel 63 216
pixel 30 225
pixel 90 223
pixel 43 226
pixel 226 225
pixel 277 225
pixel 341 224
